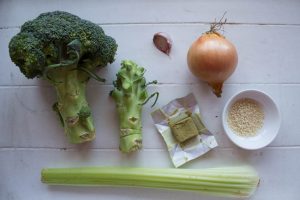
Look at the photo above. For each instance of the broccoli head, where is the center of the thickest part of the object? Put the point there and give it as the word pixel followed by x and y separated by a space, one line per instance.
pixel 65 50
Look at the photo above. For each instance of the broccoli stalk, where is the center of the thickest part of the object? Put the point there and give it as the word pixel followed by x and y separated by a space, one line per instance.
pixel 72 107
pixel 65 50
pixel 130 95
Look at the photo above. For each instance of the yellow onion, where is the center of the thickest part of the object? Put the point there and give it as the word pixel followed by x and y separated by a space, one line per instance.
pixel 212 58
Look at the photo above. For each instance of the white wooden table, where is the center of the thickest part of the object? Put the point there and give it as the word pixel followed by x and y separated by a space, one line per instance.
pixel 266 34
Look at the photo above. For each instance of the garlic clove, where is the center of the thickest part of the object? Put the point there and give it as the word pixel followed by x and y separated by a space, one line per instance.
pixel 163 42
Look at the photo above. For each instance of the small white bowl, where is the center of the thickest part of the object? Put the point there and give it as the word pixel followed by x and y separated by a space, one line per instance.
pixel 271 121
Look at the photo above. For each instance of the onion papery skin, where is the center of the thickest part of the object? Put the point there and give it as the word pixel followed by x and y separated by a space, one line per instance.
pixel 212 58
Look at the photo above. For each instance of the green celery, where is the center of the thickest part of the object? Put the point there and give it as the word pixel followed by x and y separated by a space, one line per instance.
pixel 226 181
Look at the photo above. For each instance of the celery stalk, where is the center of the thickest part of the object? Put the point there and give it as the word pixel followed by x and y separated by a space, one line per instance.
pixel 226 181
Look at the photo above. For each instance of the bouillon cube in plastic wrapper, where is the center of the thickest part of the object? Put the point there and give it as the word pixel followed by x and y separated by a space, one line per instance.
pixel 179 123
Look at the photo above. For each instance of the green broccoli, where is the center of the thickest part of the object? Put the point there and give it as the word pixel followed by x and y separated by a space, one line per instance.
pixel 130 95
pixel 65 50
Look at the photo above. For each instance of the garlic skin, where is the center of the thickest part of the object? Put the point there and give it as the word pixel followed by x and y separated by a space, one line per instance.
pixel 163 42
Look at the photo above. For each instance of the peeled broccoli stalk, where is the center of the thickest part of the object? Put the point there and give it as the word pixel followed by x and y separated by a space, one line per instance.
pixel 66 51
pixel 130 95
pixel 74 113
pixel 73 109
pixel 70 84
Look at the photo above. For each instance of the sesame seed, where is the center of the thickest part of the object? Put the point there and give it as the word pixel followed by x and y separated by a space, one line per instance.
pixel 245 117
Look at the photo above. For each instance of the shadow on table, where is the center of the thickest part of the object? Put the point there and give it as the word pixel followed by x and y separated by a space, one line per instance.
pixel 107 192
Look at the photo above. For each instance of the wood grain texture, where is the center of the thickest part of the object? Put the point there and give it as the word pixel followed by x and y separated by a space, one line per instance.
pixel 27 163
pixel 266 34
pixel 29 121
pixel 266 53
pixel 14 13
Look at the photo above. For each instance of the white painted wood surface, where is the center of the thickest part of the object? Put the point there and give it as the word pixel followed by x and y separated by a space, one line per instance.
pixel 266 34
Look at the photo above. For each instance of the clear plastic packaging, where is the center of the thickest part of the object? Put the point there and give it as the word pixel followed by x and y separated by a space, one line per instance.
pixel 177 122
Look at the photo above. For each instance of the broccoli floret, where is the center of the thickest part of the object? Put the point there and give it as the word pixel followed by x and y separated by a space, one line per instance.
pixel 65 50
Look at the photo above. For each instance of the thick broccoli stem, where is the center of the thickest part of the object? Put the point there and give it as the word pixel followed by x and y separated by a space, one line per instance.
pixel 130 95
pixel 130 111
pixel 72 106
